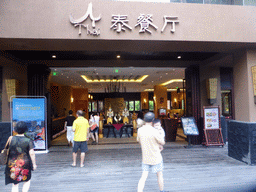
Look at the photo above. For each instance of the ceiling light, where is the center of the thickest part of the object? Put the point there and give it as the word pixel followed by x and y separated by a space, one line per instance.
pixel 172 81
pixel 118 56
pixel 115 80
pixel 169 90
pixel 179 57
pixel 54 56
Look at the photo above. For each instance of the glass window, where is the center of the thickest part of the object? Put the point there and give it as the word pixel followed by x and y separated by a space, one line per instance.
pixel 237 2
pixel 126 104
pixel 151 105
pixel 168 104
pixel 90 106
pixel 223 2
pixel 194 1
pixel 137 105
pixel 131 105
pixel 226 103
pixel 94 106
pixel 100 103
pixel 250 2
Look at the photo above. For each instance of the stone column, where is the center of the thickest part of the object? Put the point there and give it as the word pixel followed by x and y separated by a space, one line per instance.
pixel 160 98
pixel 144 100
pixel 80 102
pixel 245 108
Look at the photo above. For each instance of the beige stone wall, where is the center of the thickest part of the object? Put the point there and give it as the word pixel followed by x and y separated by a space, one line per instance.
pixel 12 70
pixel 245 108
pixel 241 93
pixel 49 19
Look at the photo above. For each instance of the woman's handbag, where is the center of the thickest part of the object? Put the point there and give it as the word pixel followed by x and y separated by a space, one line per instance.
pixel 93 127
pixel 5 152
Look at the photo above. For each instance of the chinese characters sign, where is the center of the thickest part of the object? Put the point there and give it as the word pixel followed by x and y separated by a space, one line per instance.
pixel 120 23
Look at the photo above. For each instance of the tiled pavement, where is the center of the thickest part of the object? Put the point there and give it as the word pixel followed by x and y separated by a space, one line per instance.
pixel 117 167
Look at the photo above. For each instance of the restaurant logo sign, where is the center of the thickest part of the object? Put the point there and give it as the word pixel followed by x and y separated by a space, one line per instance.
pixel 120 23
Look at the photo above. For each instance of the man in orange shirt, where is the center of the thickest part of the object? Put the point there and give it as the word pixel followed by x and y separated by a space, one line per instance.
pixel 150 141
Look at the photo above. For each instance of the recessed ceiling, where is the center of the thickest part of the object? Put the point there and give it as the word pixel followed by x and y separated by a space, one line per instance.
pixel 110 55
pixel 156 76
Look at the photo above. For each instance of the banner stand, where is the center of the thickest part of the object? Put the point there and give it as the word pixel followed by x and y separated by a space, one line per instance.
pixel 33 111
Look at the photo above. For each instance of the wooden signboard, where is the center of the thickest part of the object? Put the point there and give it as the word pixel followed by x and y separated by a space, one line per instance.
pixel 212 128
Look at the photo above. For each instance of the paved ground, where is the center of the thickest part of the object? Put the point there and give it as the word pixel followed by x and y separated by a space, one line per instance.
pixel 117 168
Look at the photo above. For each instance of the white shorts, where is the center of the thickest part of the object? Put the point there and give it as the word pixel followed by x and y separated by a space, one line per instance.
pixel 70 134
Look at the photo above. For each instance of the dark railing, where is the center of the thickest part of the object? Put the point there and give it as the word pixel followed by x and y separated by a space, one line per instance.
pixel 5 133
pixel 57 125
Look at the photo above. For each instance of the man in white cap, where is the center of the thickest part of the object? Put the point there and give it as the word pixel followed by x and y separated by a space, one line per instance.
pixel 150 140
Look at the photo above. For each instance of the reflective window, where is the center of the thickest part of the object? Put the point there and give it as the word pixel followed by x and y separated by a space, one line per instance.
pixel 100 103
pixel 226 103
pixel 151 105
pixel 137 105
pixel 194 1
pixel 90 107
pixel 94 106
pixel 250 2
pixel 131 105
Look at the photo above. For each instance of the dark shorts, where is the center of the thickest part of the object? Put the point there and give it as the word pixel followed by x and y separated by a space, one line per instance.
pixel 80 145
pixel 96 130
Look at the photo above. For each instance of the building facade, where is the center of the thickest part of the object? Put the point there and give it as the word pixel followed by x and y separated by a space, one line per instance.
pixel 223 30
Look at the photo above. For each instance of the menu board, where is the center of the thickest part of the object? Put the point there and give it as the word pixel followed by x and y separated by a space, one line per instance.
pixel 189 126
pixel 211 118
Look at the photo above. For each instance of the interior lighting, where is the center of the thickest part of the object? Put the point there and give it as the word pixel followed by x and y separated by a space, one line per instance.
pixel 54 56
pixel 115 80
pixel 145 100
pixel 72 99
pixel 173 81
pixel 179 57
pixel 118 56
pixel 169 90
pixel 175 100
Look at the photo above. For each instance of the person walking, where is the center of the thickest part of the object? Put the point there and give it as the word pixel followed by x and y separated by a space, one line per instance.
pixel 81 129
pixel 21 160
pixel 68 126
pixel 150 141
pixel 95 131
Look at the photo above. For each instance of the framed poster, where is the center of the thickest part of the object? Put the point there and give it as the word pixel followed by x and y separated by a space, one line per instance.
pixel 211 118
pixel 189 126
pixel 31 110
pixel 212 126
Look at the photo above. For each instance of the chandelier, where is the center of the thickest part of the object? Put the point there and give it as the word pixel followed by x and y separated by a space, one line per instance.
pixel 115 86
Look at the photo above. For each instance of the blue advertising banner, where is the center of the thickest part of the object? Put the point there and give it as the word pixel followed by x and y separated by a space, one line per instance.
pixel 33 112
